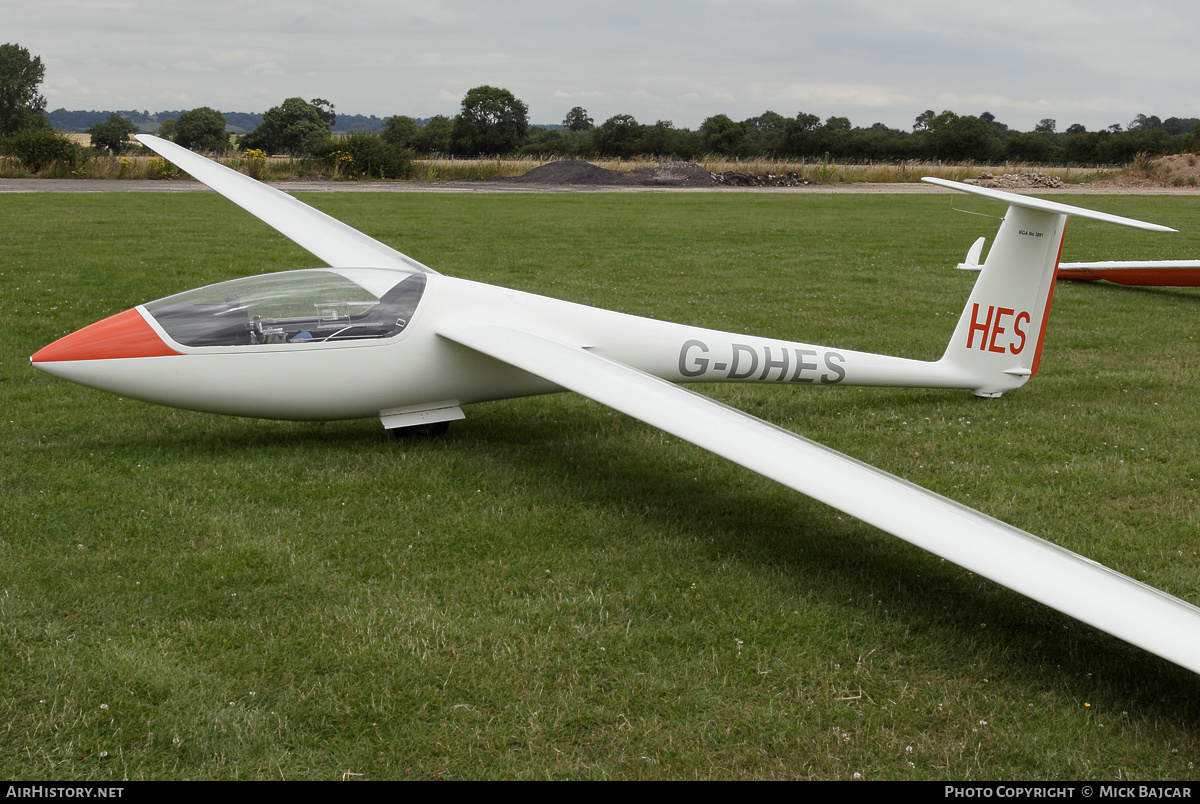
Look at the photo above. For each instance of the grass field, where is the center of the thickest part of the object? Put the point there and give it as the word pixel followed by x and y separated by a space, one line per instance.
pixel 554 590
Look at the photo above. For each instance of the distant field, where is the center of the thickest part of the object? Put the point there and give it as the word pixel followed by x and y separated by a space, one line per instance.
pixel 280 168
pixel 554 590
pixel 818 171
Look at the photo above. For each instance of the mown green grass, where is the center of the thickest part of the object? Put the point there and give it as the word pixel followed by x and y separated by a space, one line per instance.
pixel 554 590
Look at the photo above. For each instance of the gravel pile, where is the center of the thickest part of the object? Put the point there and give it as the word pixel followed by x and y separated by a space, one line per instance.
pixel 568 172
pixel 736 179
pixel 576 172
pixel 1016 181
pixel 670 174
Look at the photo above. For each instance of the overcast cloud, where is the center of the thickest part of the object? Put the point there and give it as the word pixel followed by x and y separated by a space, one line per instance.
pixel 1095 63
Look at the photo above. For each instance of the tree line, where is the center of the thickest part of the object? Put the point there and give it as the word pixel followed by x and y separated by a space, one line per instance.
pixel 493 121
pixel 947 137
pixel 79 121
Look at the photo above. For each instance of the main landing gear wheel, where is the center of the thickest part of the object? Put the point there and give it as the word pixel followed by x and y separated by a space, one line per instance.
pixel 431 430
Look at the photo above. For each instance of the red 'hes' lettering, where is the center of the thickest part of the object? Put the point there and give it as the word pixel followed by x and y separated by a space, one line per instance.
pixel 995 332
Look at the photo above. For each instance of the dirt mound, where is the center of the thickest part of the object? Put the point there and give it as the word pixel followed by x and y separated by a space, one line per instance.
pixel 1178 170
pixel 572 171
pixel 577 172
pixel 670 174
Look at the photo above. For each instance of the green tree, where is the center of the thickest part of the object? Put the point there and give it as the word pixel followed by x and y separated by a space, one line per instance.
pixel 324 111
pixel 769 125
pixel 166 129
pixel 401 131
pixel 663 139
pixel 21 105
pixel 1086 147
pixel 290 127
pixel 953 138
pixel 431 138
pixel 723 136
pixel 577 120
pixel 618 136
pixel 768 130
pixel 435 135
pixel 113 134
pixel 998 128
pixel 202 129
pixel 492 121
pixel 1036 146
pixel 800 134
pixel 1176 125
pixel 1144 123
pixel 922 121
pixel 833 138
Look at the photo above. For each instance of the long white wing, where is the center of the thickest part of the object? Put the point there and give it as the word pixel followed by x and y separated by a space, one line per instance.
pixel 339 245
pixel 1074 585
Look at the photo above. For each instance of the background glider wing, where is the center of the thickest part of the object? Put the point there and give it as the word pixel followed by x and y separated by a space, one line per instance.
pixel 1050 574
pixel 339 245
pixel 1146 273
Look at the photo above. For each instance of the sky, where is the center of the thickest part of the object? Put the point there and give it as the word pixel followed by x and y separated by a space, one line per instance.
pixel 1095 63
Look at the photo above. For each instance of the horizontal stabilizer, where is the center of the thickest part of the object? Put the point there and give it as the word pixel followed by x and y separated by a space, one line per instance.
pixel 1041 205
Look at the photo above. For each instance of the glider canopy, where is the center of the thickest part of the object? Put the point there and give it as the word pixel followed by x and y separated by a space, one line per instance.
pixel 293 307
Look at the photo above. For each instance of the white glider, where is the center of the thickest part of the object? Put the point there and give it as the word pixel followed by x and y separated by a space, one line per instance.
pixel 378 334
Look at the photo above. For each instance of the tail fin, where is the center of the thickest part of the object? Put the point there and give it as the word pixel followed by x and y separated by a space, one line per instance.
pixel 998 340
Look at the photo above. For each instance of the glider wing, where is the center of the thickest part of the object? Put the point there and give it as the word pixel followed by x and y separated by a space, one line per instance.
pixel 1059 578
pixel 339 245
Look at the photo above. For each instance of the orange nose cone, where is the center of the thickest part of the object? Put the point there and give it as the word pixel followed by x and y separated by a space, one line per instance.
pixel 123 335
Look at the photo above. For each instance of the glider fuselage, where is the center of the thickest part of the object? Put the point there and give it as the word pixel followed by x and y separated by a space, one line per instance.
pixel 324 378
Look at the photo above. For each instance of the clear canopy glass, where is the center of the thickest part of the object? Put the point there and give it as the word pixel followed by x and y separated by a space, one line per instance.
pixel 317 306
